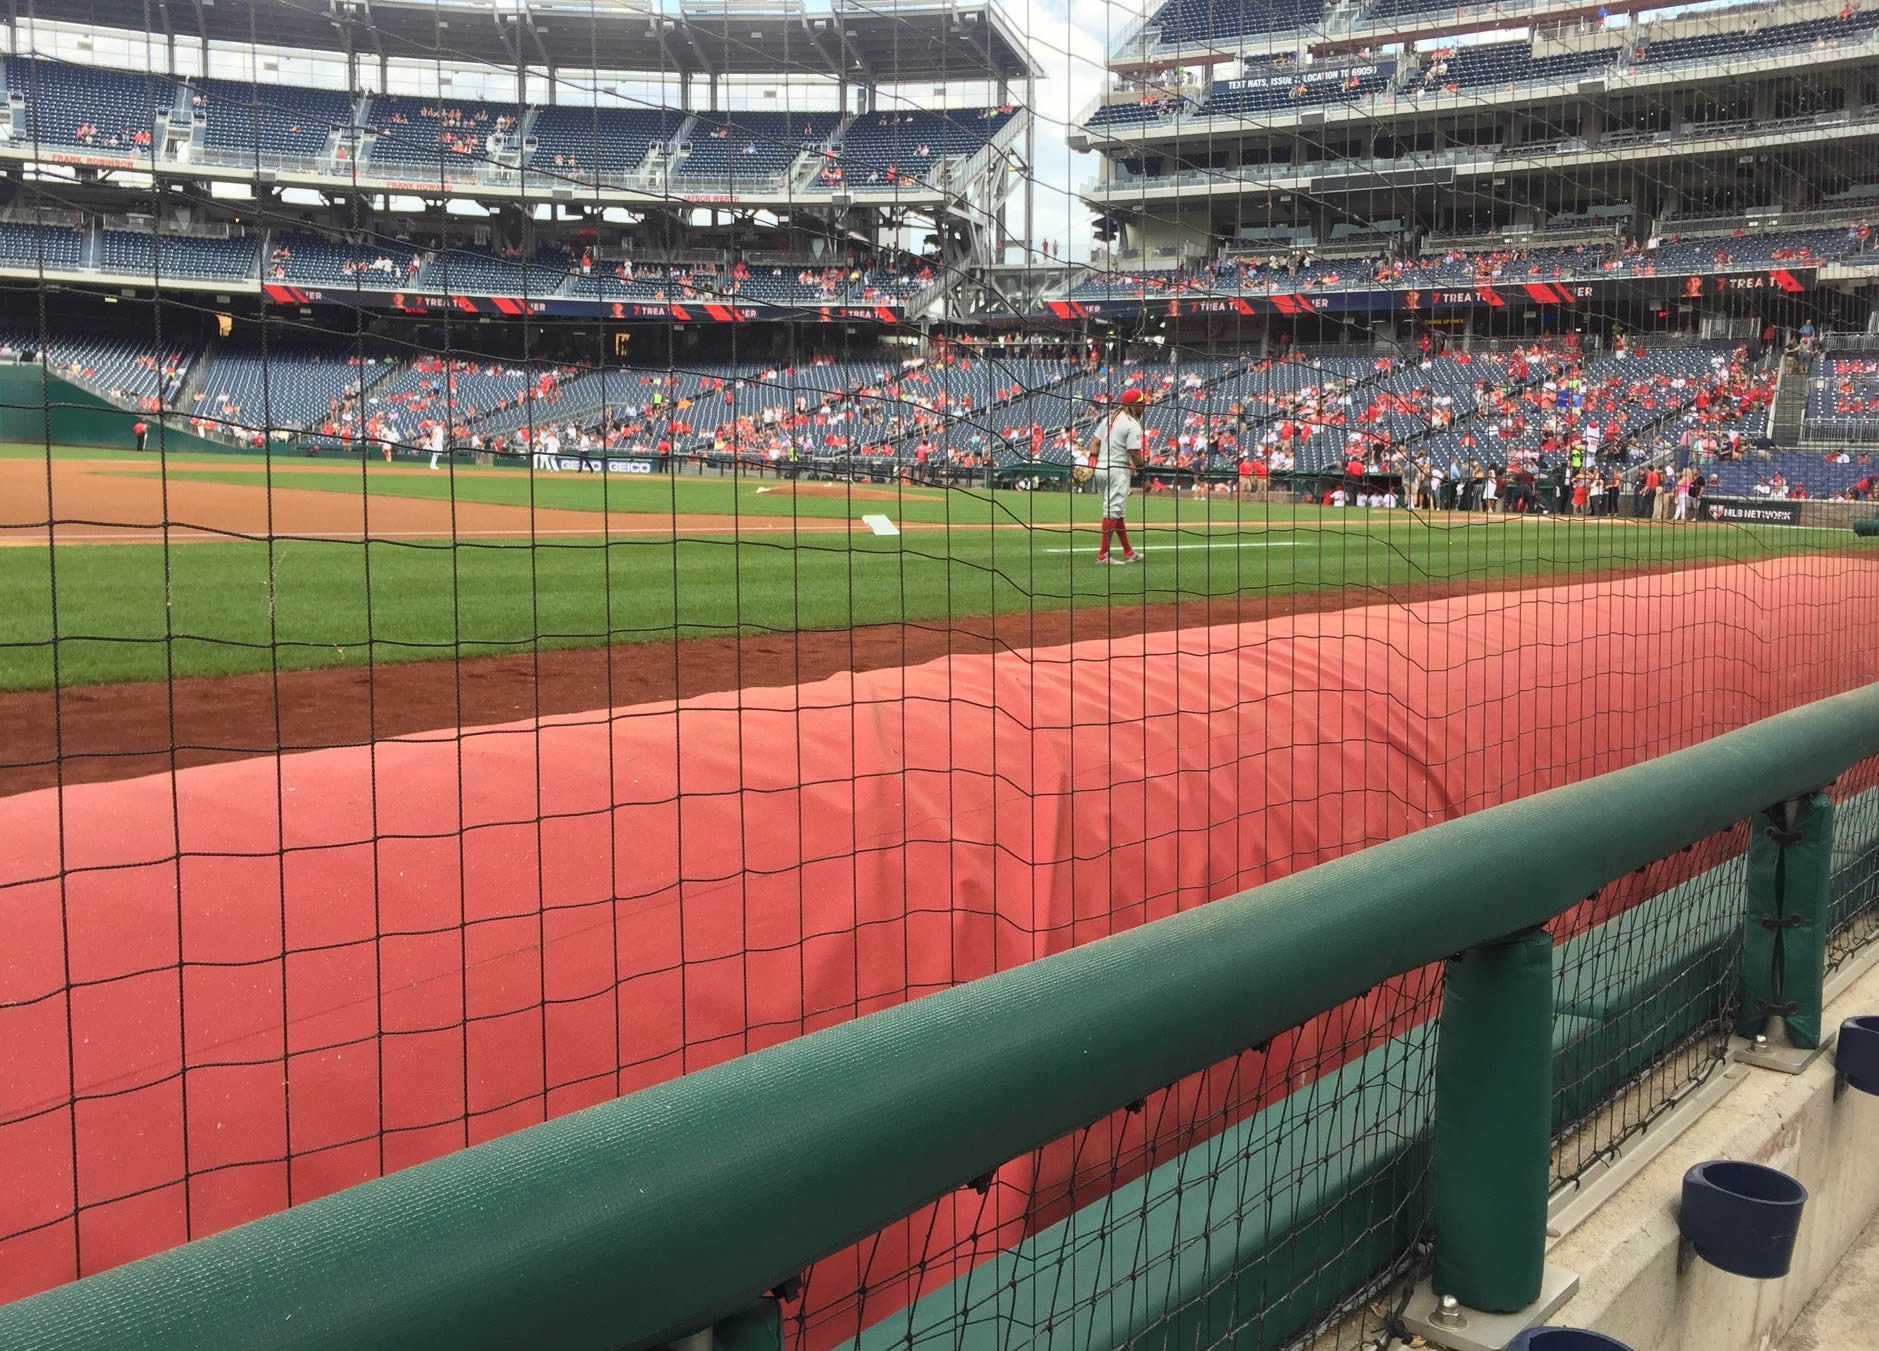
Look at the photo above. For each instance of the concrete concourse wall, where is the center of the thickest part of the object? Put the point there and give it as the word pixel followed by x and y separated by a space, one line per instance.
pixel 1636 1285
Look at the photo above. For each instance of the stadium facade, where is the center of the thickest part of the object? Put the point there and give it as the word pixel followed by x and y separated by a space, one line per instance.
pixel 1345 176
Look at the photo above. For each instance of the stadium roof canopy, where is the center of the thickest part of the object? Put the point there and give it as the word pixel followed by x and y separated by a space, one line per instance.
pixel 874 42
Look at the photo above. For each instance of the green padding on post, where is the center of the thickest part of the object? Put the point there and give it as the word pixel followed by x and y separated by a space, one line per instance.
pixel 1784 938
pixel 757 1328
pixel 1493 1124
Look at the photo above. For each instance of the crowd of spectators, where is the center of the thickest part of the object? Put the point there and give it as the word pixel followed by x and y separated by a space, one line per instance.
pixel 1403 263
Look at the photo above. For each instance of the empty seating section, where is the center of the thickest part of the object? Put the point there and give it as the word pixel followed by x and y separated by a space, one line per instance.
pixel 1146 285
pixel 1381 10
pixel 103 110
pixel 268 119
pixel 1843 398
pixel 176 256
pixel 36 246
pixel 455 134
pixel 1440 267
pixel 1788 248
pixel 1489 64
pixel 1731 39
pixel 1185 21
pixel 124 370
pixel 761 284
pixel 467 272
pixel 308 260
pixel 284 387
pixel 579 143
pixel 1795 474
pixel 750 147
pixel 1139 112
pixel 891 147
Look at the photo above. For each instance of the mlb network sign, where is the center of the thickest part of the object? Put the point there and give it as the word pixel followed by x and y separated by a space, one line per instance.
pixel 1752 511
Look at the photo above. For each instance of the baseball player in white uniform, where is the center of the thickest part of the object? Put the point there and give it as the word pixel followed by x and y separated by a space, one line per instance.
pixel 1116 454
pixel 438 442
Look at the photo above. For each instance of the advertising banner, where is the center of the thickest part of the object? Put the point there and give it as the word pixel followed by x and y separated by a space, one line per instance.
pixel 1751 511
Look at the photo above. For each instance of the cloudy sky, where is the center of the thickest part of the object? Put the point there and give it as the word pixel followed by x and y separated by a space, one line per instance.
pixel 1069 39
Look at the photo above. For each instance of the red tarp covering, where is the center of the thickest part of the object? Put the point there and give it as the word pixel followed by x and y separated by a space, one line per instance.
pixel 348 961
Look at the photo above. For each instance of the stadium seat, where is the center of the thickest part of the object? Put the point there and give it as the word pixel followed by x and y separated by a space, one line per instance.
pixel 1843 398
pixel 309 260
pixel 882 149
pixel 450 135
pixel 267 121
pixel 157 256
pixel 106 111
pixel 730 151
pixel 127 371
pixel 1192 21
pixel 283 386
pixel 585 143
pixel 35 246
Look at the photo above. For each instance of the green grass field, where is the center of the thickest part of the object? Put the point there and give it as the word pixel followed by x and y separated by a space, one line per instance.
pixel 663 496
pixel 139 612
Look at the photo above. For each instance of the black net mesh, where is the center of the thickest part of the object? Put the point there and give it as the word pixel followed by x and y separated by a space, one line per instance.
pixel 547 549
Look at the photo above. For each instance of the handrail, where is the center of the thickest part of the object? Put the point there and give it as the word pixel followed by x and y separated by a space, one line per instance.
pixel 648 1218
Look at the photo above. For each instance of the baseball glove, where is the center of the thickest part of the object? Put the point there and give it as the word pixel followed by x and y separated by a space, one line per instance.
pixel 1081 473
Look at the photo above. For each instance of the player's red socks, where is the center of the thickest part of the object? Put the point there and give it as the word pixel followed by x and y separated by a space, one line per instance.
pixel 1122 535
pixel 1108 525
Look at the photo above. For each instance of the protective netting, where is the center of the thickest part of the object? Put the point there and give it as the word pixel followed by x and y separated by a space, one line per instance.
pixel 398 413
pixel 1853 896
pixel 1647 978
pixel 1257 1203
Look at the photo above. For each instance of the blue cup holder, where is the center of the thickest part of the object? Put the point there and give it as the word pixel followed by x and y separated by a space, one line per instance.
pixel 1856 1054
pixel 1565 1339
pixel 1742 1218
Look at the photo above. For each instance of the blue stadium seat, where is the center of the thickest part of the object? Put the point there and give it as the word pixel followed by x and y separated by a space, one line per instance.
pixel 106 111
pixel 578 143
pixel 729 150
pixel 34 246
pixel 448 135
pixel 308 260
pixel 157 256
pixel 239 118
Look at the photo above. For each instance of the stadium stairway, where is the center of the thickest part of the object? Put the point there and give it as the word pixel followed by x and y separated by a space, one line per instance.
pixel 1790 409
pixel 183 398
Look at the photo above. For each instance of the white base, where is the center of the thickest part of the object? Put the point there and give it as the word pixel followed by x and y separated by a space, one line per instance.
pixel 1471 1330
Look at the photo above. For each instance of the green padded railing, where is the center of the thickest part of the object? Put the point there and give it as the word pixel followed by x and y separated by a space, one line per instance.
pixel 646 1219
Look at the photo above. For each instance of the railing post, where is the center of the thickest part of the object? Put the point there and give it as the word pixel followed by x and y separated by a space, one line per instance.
pixel 1492 1140
pixel 1784 936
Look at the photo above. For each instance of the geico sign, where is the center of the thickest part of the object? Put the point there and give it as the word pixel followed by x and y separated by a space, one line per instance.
pixel 613 466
